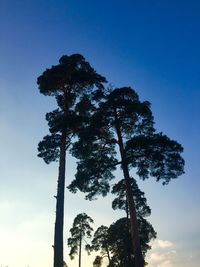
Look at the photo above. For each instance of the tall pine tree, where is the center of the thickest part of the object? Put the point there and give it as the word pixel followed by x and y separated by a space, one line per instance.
pixel 124 123
pixel 72 83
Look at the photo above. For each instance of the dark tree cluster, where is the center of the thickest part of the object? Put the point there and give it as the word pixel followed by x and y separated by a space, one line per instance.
pixel 104 128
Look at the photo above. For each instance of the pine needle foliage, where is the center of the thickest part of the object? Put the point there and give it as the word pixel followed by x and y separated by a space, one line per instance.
pixel 75 85
pixel 124 123
pixel 80 230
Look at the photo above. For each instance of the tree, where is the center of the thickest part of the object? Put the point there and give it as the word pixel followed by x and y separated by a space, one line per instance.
pixel 72 82
pixel 98 261
pixel 120 241
pixel 115 242
pixel 125 123
pixel 100 242
pixel 81 228
pixel 142 210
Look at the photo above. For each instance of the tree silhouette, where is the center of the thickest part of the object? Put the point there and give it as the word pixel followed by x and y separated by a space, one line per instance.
pixel 81 228
pixel 115 242
pixel 100 242
pixel 142 210
pixel 98 261
pixel 125 123
pixel 72 83
pixel 105 239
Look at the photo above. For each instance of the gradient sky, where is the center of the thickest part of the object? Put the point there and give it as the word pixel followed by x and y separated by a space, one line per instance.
pixel 152 46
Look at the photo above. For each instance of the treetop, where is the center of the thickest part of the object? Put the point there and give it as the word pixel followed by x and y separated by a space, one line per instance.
pixel 72 73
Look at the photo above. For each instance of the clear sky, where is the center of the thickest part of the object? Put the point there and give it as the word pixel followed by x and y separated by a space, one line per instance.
pixel 152 46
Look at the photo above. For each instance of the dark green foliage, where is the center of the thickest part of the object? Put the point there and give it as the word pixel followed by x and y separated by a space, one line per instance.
pixel 100 239
pixel 155 155
pixel 76 86
pixel 98 261
pixel 149 153
pixel 72 72
pixel 120 201
pixel 81 229
pixel 123 107
pixel 115 242
pixel 57 121
pixel 122 119
pixel 93 181
pixel 72 83
pixel 48 148
pixel 97 161
pixel 147 233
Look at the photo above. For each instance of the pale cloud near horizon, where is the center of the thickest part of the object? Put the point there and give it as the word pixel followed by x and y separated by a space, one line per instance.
pixel 21 236
pixel 165 253
pixel 162 254
pixel 166 263
pixel 161 244
pixel 164 243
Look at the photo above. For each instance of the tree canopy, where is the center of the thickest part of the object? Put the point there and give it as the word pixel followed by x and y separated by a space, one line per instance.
pixel 120 201
pixel 103 129
pixel 151 154
pixel 73 82
pixel 122 122
pixel 114 242
pixel 81 229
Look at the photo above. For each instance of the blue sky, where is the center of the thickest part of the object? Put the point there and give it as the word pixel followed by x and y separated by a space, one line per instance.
pixel 152 46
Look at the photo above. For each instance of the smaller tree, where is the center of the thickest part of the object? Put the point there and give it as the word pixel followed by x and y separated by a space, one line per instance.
pixel 114 242
pixel 146 231
pixel 100 242
pixel 81 228
pixel 98 261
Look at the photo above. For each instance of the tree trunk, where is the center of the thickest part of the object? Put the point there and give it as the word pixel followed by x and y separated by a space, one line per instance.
pixel 80 245
pixel 129 250
pixel 58 234
pixel 108 255
pixel 139 261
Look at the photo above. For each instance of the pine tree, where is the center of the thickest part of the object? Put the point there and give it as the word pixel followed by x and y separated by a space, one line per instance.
pixel 122 122
pixel 142 211
pixel 81 229
pixel 72 82
pixel 114 242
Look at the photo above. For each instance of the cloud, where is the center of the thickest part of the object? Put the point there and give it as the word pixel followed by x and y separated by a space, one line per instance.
pixel 162 254
pixel 161 244
pixel 166 263
pixel 157 257
pixel 164 244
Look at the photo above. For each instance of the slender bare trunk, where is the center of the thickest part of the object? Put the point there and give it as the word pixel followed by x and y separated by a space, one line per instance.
pixel 80 245
pixel 108 254
pixel 139 261
pixel 128 247
pixel 58 234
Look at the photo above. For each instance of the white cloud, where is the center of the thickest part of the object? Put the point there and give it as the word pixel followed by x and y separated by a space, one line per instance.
pixel 172 252
pixel 166 263
pixel 164 244
pixel 161 244
pixel 162 254
pixel 157 257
